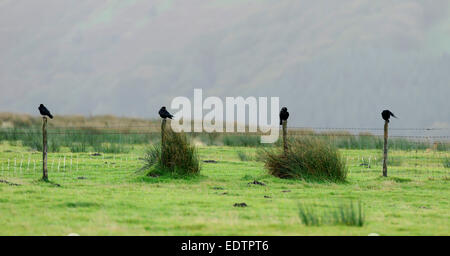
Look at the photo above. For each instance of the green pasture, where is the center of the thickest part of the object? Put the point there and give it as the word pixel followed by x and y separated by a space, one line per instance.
pixel 107 194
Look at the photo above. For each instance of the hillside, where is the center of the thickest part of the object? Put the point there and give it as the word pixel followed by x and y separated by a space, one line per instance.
pixel 333 63
pixel 15 120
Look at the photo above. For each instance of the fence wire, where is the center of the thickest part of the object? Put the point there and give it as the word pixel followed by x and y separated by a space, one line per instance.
pixel 80 156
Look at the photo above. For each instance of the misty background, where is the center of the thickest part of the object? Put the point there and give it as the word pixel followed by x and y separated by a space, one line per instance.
pixel 332 63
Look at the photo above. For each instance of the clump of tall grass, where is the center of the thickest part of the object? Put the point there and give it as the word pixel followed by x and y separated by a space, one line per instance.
pixel 241 140
pixel 343 213
pixel 442 146
pixel 33 140
pixel 176 156
pixel 307 158
pixel 113 148
pixel 245 156
pixel 392 160
pixel 446 162
pixel 78 147
pixel 81 140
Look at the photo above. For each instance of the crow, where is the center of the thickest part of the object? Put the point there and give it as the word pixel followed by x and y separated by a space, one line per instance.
pixel 284 115
pixel 386 114
pixel 164 114
pixel 44 111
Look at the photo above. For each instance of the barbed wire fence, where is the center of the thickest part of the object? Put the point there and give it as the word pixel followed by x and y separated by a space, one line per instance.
pixel 87 152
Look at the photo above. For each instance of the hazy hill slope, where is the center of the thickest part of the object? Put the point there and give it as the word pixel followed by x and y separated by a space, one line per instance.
pixel 333 63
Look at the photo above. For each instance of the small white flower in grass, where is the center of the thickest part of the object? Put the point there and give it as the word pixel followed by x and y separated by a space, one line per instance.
pixel 373 234
pixel 73 234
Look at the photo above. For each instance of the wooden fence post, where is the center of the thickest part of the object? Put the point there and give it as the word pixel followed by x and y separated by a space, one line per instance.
pixel 285 146
pixel 163 141
pixel 385 155
pixel 44 149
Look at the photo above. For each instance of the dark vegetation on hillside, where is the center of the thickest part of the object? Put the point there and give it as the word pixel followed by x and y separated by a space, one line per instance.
pixel 109 134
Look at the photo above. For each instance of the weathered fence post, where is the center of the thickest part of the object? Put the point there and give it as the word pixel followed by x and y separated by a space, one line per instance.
pixel 285 146
pixel 44 149
pixel 385 155
pixel 163 141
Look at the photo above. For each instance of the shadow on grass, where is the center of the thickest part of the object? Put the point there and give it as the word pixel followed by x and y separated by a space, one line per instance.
pixel 48 182
pixel 269 179
pixel 154 175
pixel 81 205
pixel 394 179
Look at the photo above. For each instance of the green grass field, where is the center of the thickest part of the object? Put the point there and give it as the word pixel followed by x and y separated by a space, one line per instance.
pixel 108 195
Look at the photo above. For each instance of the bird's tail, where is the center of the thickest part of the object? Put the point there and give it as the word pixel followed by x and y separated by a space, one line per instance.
pixel 51 116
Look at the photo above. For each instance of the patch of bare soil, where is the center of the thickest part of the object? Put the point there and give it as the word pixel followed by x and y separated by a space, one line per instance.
pixel 255 182
pixel 10 183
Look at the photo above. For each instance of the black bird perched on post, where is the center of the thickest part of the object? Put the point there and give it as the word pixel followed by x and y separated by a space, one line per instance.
pixel 44 111
pixel 386 114
pixel 284 115
pixel 164 114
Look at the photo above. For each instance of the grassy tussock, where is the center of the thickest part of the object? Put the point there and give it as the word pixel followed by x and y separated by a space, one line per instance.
pixel 177 156
pixel 446 163
pixel 394 160
pixel 342 213
pixel 307 158
pixel 391 160
pixel 241 140
pixel 245 156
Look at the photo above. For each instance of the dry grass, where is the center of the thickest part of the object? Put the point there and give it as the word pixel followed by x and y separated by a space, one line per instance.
pixel 14 120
